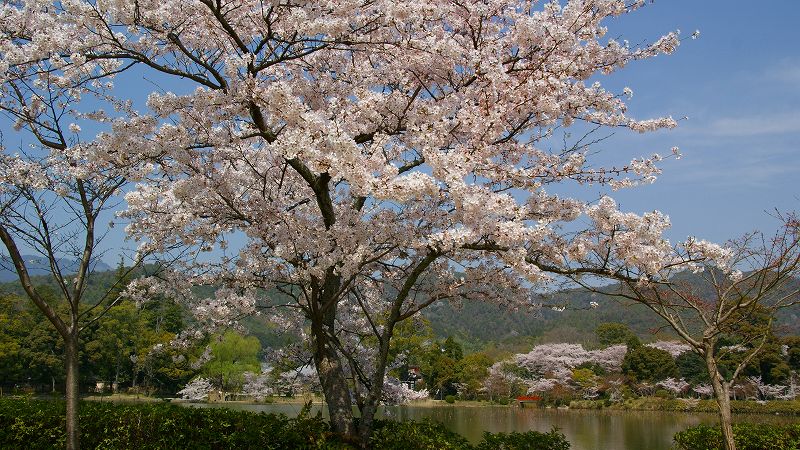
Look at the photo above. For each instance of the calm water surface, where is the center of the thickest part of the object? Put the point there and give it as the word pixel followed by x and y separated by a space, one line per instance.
pixel 585 429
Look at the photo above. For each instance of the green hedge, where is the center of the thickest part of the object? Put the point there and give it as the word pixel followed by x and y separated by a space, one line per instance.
pixel 748 436
pixel 425 435
pixel 530 440
pixel 38 424
pixel 34 424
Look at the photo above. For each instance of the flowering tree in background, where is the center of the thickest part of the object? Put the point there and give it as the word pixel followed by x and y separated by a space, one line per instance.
pixel 771 391
pixel 674 348
pixel 549 365
pixel 196 390
pixel 704 390
pixel 677 387
pixel 257 386
pixel 397 393
pixel 366 154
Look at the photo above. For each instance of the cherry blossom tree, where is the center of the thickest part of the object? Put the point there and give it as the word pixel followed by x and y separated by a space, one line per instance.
pixel 554 358
pixel 767 391
pixel 370 158
pixel 397 393
pixel 549 365
pixel 704 390
pixel 677 387
pixel 196 390
pixel 674 348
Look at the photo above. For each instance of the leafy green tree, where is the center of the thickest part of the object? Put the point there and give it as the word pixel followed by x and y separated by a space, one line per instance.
pixel 473 370
pixel 409 342
pixel 42 354
pixel 444 375
pixel 585 378
pixel 10 324
pixel 31 351
pixel 793 352
pixel 440 369
pixel 232 356
pixel 452 349
pixel 692 368
pixel 609 334
pixel 113 341
pixel 643 363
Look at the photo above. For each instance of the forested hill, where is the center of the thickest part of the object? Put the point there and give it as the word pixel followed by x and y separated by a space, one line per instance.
pixel 476 324
pixel 100 280
pixel 38 265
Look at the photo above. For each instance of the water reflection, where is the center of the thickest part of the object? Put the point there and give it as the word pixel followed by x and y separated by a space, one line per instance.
pixel 585 429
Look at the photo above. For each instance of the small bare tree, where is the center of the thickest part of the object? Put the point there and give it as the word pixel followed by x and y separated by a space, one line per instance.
pixel 51 199
pixel 739 296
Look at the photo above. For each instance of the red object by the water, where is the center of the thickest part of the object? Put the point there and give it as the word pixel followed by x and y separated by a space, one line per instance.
pixel 528 398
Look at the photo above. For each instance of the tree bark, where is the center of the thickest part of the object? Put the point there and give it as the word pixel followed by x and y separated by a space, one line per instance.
pixel 371 404
pixel 334 383
pixel 71 366
pixel 376 388
pixel 723 399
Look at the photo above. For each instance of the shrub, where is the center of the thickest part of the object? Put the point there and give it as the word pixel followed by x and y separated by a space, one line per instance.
pixel 450 398
pixel 530 440
pixel 39 424
pixel 423 435
pixel 663 393
pixel 748 436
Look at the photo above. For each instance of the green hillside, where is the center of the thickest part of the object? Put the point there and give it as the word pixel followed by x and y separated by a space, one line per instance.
pixel 476 324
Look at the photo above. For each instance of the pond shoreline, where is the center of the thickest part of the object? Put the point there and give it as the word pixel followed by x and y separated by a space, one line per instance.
pixel 777 407
pixel 748 407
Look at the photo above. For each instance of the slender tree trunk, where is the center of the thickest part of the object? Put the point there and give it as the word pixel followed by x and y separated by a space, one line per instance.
pixel 117 370
pixel 370 408
pixel 71 365
pixel 723 399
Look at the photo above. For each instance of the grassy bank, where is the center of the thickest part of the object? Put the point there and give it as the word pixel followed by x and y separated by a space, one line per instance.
pixel 787 407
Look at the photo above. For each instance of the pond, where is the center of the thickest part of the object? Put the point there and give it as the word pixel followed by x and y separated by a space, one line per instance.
pixel 585 429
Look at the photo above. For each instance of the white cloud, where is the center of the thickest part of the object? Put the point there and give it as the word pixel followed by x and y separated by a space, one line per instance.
pixel 725 167
pixel 756 125
pixel 786 72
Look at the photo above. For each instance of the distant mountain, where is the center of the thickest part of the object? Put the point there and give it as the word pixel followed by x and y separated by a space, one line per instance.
pixel 38 265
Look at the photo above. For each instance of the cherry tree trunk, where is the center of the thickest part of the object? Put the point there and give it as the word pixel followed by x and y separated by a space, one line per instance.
pixel 333 381
pixel 367 421
pixel 71 366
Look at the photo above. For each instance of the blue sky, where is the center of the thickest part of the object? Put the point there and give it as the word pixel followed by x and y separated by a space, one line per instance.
pixel 739 85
